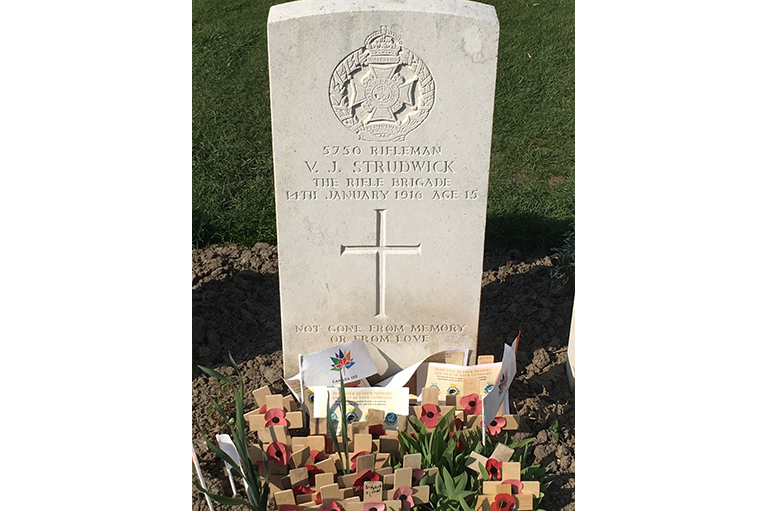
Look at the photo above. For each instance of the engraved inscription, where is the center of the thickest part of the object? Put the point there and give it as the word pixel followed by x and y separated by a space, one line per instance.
pixel 381 250
pixel 387 334
pixel 382 91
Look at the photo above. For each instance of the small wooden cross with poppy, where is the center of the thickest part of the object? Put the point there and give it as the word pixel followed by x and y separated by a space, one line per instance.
pixel 503 491
pixel 274 410
pixel 430 412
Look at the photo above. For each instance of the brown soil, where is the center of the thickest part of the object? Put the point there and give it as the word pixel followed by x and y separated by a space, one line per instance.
pixel 236 309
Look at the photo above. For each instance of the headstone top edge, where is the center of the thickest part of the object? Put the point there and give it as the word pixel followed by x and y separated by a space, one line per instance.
pixel 305 8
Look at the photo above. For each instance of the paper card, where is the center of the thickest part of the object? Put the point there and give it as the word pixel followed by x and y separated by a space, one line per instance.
pixel 498 394
pixel 351 361
pixel 405 378
pixel 449 378
pixel 294 386
pixel 394 403
pixel 228 446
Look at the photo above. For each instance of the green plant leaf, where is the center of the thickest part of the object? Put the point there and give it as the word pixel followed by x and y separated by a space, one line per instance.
pixel 448 481
pixel 343 419
pixel 483 472
pixel 442 423
pixel 523 442
pixel 215 374
pixel 418 427
pixel 461 480
pixel 221 499
pixel 464 505
pixel 331 427
pixel 439 486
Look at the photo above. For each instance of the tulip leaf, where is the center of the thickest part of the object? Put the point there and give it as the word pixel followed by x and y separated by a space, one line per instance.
pixel 229 501
pixel 484 472
pixel 214 373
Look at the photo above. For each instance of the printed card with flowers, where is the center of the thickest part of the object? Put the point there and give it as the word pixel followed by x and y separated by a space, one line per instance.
pixel 393 402
pixel 449 378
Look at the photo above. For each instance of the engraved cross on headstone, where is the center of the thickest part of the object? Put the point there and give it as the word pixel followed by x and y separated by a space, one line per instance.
pixel 381 249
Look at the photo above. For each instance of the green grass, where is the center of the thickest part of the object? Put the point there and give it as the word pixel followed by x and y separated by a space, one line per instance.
pixel 531 190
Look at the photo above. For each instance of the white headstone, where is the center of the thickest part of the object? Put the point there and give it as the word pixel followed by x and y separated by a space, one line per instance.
pixel 381 126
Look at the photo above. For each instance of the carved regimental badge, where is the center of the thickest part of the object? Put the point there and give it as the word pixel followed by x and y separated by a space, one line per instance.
pixel 382 91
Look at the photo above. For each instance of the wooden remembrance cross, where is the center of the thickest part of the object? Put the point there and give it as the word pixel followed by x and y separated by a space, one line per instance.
pixel 381 249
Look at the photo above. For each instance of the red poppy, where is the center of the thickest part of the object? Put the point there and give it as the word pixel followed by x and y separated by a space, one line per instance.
pixel 374 506
pixel 263 409
pixel 376 431
pixel 278 453
pixel 496 425
pixel 317 455
pixel 318 499
pixel 460 443
pixel 332 506
pixel 416 476
pixel 354 459
pixel 517 486
pixel 312 471
pixel 472 404
pixel 301 490
pixel 505 502
pixel 458 424
pixel 430 415
pixel 405 495
pixel 368 475
pixel 494 469
pixel 275 417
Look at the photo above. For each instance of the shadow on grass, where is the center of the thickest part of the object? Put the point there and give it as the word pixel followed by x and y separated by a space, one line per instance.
pixel 530 233
pixel 203 232
pixel 239 314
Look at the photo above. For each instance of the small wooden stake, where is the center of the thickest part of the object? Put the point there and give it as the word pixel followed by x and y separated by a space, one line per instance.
pixel 412 460
pixel 330 492
pixel 403 477
pixel 318 426
pixel 328 465
pixel 260 396
pixel 300 457
pixel 299 476
pixel 357 428
pixel 502 452
pixel 295 420
pixel 430 395
pixel 375 416
pixel 274 434
pixel 365 463
pixel 315 443
pixel 274 401
pixel 362 442
pixel 532 487
pixel 324 479
pixel 372 491
pixel 285 498
pixel 474 460
pixel 472 386
pixel 510 470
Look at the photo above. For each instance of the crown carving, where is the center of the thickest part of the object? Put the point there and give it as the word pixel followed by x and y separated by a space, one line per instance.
pixel 383 46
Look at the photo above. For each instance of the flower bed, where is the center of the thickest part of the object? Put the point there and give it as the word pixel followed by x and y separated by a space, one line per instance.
pixel 435 460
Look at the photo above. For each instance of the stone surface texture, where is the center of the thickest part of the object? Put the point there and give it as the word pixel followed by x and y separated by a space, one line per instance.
pixel 381 121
